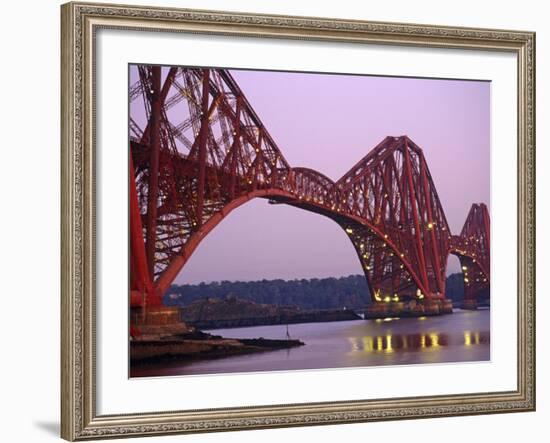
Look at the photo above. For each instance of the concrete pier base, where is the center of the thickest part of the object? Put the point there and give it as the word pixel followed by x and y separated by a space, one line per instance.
pixel 469 304
pixel 157 322
pixel 411 308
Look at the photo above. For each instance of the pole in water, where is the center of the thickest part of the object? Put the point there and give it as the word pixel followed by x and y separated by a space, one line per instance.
pixel 287 333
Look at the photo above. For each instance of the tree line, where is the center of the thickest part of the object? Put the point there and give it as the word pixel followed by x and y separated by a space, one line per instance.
pixel 349 292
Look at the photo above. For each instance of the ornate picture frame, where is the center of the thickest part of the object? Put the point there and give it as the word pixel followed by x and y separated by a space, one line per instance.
pixel 80 23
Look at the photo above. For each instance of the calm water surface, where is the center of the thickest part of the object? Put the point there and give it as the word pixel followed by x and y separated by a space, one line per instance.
pixel 463 336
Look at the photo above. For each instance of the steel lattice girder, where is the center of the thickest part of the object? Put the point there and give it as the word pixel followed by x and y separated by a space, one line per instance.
pixel 473 247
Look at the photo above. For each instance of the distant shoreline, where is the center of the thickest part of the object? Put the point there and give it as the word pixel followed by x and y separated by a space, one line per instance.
pixel 282 319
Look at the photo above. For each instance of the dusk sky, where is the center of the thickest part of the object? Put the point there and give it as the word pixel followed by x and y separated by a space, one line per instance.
pixel 328 123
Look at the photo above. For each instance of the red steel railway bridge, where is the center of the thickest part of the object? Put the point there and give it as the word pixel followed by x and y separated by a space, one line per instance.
pixel 198 151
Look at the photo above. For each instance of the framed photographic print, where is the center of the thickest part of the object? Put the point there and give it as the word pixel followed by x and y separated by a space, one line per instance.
pixel 281 221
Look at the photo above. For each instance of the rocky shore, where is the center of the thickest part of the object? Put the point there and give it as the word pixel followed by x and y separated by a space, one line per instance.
pixel 154 349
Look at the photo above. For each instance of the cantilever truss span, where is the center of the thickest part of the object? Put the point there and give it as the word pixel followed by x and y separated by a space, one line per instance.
pixel 198 151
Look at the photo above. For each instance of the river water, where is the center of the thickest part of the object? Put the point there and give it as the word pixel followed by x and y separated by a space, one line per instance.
pixel 462 336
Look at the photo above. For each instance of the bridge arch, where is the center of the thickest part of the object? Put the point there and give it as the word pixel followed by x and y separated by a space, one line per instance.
pixel 475 276
pixel 363 236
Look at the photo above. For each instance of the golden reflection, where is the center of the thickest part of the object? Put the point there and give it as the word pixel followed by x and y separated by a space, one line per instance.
pixel 389 348
pixel 368 344
pixel 467 338
pixel 425 342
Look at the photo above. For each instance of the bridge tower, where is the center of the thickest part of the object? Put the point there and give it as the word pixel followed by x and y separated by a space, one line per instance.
pixel 472 247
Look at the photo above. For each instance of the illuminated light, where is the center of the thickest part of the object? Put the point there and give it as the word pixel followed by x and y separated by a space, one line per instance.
pixel 376 292
pixel 349 230
pixel 422 318
pixel 395 297
pixel 379 344
pixel 385 235
pixel 430 225
pixel 402 255
pixel 464 268
pixel 385 195
pixel 401 266
pixel 419 294
pixel 368 268
pixel 383 245
pixel 467 338
pixel 387 299
pixel 466 280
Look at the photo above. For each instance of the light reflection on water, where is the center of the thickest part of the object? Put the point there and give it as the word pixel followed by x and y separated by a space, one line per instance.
pixel 462 336
pixel 415 342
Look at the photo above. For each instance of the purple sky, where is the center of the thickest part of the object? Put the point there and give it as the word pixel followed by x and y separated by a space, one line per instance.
pixel 329 122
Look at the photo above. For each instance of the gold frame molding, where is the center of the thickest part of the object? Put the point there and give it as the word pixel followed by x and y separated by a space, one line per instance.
pixel 79 22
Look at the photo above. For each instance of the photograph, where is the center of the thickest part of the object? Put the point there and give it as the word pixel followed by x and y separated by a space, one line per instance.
pixel 283 221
